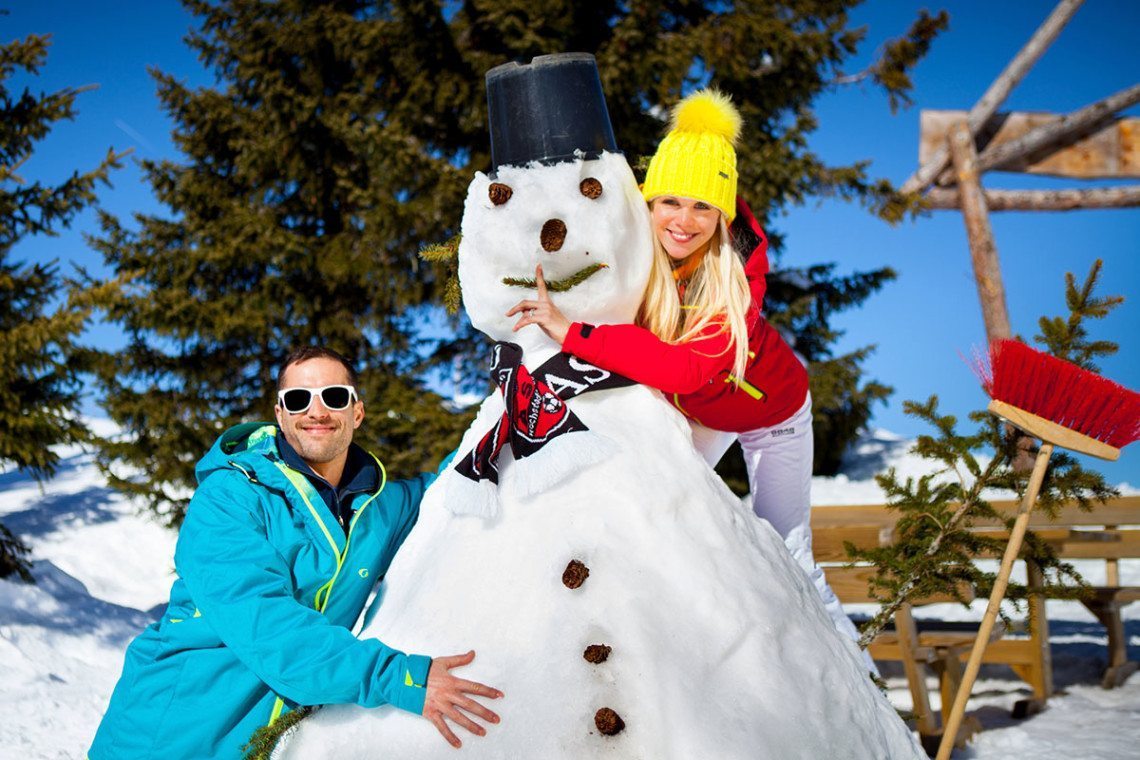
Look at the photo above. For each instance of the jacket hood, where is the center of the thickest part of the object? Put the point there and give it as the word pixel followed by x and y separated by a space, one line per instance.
pixel 252 446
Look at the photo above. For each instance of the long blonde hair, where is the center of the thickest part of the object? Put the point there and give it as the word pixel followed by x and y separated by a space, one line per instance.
pixel 717 291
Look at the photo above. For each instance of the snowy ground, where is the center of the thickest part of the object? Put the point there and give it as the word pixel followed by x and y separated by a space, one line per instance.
pixel 103 572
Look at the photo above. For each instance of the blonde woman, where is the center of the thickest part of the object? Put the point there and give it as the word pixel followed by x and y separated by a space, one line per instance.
pixel 700 337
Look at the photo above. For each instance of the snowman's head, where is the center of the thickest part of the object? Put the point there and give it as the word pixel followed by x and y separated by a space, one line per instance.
pixel 585 222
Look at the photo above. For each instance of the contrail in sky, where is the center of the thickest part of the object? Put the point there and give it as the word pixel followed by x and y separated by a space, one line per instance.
pixel 134 135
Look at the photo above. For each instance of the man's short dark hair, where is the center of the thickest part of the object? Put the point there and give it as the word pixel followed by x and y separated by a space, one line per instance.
pixel 317 352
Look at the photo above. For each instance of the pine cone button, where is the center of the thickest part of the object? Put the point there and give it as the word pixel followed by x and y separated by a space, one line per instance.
pixel 597 653
pixel 608 721
pixel 575 574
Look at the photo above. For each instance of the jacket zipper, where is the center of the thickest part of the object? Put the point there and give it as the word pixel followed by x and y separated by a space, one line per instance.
pixel 318 604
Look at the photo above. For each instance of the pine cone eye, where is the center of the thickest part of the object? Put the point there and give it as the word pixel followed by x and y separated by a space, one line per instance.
pixel 590 187
pixel 499 193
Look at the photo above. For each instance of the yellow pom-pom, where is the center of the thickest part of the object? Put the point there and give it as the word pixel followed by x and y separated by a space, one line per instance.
pixel 707 111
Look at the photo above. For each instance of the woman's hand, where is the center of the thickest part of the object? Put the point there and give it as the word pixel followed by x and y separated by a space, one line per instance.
pixel 541 312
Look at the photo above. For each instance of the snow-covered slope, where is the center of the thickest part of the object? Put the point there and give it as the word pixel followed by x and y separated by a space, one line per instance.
pixel 102 573
pixel 103 569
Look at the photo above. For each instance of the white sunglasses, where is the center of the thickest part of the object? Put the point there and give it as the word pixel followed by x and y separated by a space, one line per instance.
pixel 334 398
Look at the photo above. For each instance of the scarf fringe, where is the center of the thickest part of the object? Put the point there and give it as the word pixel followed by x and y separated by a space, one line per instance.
pixel 559 460
pixel 529 477
pixel 463 496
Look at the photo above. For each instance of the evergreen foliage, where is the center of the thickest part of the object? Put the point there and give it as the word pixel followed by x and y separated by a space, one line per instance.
pixel 1066 337
pixel 340 138
pixel 38 362
pixel 264 739
pixel 13 556
pixel 934 549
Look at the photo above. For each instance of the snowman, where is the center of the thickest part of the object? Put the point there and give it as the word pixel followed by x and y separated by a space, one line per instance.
pixel 624 601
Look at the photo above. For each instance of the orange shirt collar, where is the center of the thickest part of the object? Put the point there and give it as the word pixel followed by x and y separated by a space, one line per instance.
pixel 689 265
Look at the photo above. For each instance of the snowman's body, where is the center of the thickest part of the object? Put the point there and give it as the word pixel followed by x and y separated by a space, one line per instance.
pixel 721 647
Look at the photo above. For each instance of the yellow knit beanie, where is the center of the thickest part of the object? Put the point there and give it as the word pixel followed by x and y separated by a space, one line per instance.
pixel 697 159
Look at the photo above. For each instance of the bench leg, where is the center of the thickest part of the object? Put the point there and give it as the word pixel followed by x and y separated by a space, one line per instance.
pixel 1119 668
pixel 1040 673
pixel 949 669
pixel 915 675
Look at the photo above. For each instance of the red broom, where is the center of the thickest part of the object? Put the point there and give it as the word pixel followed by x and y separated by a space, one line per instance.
pixel 1063 405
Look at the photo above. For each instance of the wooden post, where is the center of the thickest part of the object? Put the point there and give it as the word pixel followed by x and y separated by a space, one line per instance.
pixel 1042 670
pixel 1000 88
pixel 983 252
pixel 1111 566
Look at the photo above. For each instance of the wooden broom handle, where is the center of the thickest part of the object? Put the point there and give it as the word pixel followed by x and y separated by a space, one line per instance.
pixel 1012 549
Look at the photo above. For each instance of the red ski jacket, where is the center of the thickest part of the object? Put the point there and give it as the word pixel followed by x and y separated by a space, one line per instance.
pixel 696 375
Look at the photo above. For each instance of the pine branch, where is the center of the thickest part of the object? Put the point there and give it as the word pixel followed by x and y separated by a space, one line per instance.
pixel 892 70
pixel 13 556
pixel 265 739
pixel 446 257
pixel 1067 337
pixel 556 286
pixel 934 548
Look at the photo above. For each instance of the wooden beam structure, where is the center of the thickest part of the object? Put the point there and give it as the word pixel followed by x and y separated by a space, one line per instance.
pixel 1090 143
pixel 983 252
pixel 1040 200
pixel 999 90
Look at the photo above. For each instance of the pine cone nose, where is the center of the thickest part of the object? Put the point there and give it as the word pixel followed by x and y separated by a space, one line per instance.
pixel 553 235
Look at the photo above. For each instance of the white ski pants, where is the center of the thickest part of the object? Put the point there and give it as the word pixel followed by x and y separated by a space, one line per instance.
pixel 779 460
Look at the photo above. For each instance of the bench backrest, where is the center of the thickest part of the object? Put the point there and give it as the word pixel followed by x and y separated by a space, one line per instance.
pixel 1074 534
pixel 1123 510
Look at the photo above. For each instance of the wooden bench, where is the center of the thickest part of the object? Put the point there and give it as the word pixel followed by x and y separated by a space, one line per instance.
pixel 1074 534
pixel 1077 534
pixel 940 651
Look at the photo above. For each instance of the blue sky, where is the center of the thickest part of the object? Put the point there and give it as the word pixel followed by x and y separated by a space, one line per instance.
pixel 923 323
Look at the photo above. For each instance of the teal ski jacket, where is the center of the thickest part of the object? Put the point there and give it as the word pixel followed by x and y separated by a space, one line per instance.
pixel 260 616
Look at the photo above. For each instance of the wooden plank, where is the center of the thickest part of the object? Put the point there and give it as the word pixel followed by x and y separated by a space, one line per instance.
pixel 1116 594
pixel 828 542
pixel 1044 140
pixel 1125 546
pixel 1113 151
pixel 1123 510
pixel 851 585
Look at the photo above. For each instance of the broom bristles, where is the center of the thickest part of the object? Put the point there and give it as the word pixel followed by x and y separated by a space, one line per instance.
pixel 1062 392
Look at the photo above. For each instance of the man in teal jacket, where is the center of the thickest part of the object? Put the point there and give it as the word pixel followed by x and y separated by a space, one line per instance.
pixel 282 544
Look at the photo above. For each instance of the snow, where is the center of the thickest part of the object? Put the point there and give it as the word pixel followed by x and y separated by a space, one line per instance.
pixel 102 573
pixel 102 568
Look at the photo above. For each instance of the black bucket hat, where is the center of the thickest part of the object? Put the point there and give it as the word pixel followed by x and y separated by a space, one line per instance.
pixel 549 110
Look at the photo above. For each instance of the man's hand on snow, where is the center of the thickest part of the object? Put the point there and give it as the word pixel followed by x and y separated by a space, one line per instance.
pixel 541 312
pixel 446 694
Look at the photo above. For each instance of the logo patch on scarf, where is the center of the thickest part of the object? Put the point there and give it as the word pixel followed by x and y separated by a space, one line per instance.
pixel 536 410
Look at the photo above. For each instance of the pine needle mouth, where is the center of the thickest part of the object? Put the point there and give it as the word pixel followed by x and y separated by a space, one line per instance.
pixel 557 286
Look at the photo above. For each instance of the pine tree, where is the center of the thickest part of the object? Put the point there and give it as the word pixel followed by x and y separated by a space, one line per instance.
pixel 340 138
pixel 934 550
pixel 38 362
